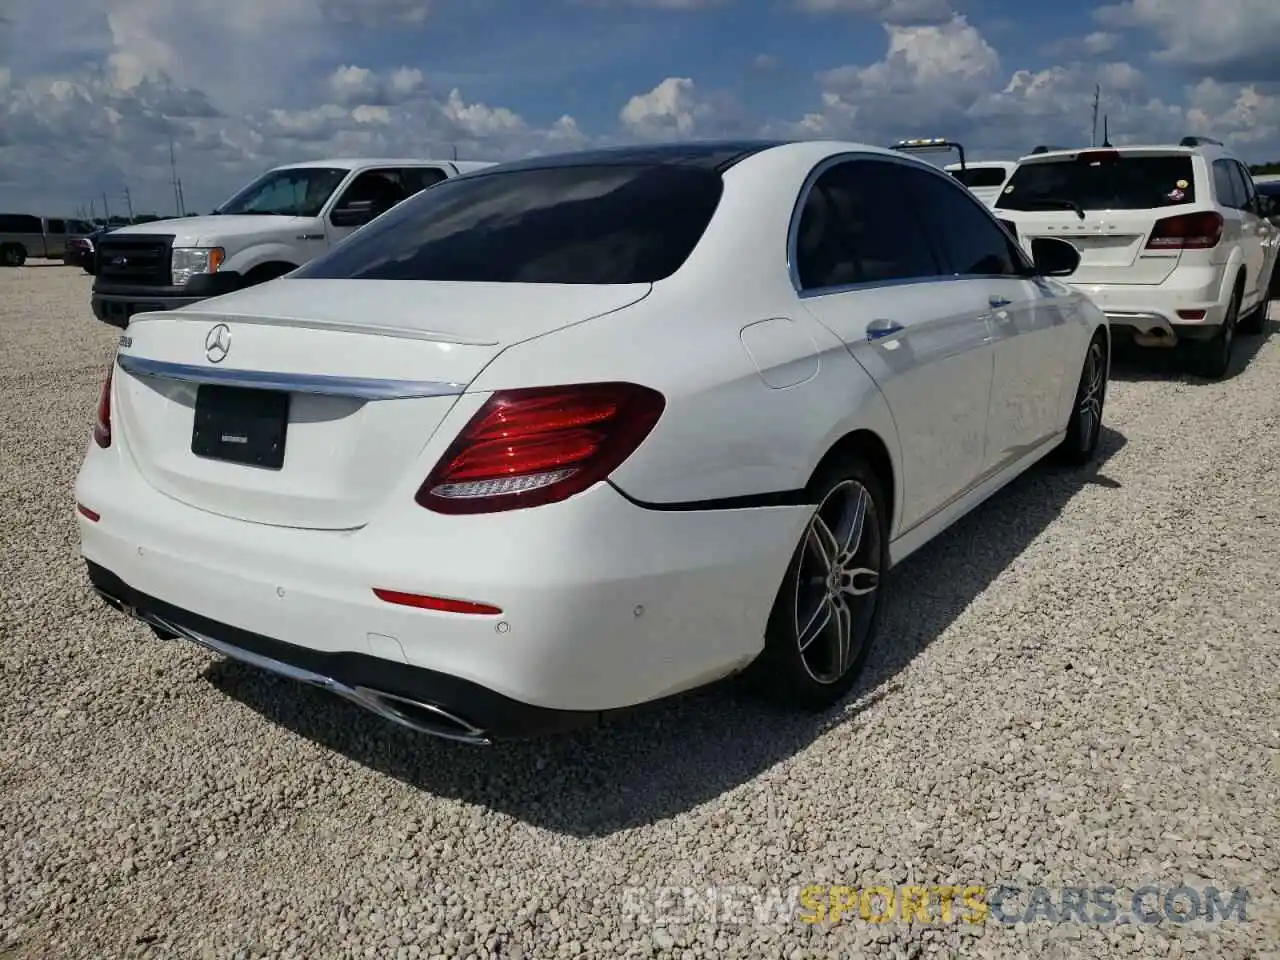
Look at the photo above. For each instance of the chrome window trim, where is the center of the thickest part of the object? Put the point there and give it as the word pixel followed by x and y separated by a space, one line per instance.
pixel 793 231
pixel 360 388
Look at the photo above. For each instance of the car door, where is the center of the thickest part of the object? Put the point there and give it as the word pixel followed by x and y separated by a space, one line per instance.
pixel 1029 330
pixel 865 268
pixel 1258 231
pixel 1242 224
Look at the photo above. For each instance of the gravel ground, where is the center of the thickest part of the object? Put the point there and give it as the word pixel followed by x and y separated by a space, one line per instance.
pixel 1081 687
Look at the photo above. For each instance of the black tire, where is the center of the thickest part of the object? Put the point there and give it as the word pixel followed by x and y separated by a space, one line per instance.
pixel 1084 429
pixel 1212 357
pixel 1256 320
pixel 13 255
pixel 815 676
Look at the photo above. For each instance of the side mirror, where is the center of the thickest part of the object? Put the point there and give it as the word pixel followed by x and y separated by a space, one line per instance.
pixel 353 214
pixel 1054 257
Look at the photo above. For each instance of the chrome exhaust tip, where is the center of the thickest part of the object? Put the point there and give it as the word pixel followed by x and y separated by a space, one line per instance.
pixel 420 716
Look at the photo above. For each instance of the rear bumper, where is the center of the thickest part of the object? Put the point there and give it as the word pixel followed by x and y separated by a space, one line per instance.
pixel 1190 305
pixel 424 700
pixel 115 304
pixel 605 605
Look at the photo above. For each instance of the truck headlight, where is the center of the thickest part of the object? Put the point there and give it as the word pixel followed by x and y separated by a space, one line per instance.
pixel 189 262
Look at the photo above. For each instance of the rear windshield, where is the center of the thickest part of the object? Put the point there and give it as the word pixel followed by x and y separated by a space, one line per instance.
pixel 1102 181
pixel 602 224
pixel 980 176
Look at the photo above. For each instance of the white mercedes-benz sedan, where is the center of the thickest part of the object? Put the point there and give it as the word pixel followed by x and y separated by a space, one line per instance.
pixel 576 433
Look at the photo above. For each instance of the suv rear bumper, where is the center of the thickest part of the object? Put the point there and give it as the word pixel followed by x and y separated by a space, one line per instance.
pixel 1190 305
pixel 116 303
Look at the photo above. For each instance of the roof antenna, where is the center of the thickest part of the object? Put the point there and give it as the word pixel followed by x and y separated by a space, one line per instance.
pixel 1106 137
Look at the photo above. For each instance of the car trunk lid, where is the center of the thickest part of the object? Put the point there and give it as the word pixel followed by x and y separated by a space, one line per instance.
pixel 303 402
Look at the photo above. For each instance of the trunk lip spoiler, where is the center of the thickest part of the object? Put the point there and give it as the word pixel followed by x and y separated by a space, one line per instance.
pixel 334 326
pixel 360 388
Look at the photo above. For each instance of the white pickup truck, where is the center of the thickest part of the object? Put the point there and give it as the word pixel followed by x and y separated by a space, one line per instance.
pixel 277 223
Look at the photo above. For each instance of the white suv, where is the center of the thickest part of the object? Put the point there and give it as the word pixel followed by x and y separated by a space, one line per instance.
pixel 1174 241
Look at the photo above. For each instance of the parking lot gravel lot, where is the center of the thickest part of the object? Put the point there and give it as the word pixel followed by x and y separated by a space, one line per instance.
pixel 1077 686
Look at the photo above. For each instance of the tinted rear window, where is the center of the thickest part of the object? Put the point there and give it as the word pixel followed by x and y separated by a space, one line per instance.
pixel 610 223
pixel 1117 182
pixel 980 176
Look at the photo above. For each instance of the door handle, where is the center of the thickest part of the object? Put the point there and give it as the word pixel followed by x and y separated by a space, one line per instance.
pixel 998 301
pixel 879 329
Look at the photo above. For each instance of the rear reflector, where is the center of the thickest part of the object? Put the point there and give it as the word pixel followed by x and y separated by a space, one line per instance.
pixel 1191 314
pixel 536 446
pixel 1188 231
pixel 442 604
pixel 87 513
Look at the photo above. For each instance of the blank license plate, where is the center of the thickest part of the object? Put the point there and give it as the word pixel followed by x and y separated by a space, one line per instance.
pixel 240 425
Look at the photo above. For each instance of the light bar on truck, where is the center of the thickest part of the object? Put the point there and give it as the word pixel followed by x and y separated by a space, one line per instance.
pixel 931 145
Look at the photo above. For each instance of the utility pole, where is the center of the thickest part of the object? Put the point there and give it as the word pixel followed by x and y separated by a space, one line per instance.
pixel 455 151
pixel 106 212
pixel 1097 97
pixel 1106 136
pixel 173 172
pixel 182 200
pixel 93 209
pixel 128 202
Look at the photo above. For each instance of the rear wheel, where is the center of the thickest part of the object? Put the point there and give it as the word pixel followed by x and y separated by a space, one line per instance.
pixel 13 255
pixel 1255 321
pixel 1212 357
pixel 824 618
pixel 1084 430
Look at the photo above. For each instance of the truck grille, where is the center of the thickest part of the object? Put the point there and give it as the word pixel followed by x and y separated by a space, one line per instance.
pixel 135 260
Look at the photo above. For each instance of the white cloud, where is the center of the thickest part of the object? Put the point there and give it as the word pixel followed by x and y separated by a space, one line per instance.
pixel 676 109
pixel 1227 41
pixel 90 93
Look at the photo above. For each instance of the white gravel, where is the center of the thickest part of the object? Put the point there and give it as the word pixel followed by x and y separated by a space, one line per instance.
pixel 1079 685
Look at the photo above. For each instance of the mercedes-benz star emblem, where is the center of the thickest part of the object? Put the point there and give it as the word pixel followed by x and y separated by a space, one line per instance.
pixel 218 343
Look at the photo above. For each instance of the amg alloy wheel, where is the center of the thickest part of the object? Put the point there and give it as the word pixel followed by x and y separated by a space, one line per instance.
pixel 823 621
pixel 1085 428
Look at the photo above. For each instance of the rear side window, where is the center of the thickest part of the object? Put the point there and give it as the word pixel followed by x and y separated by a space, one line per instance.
pixel 1102 180
pixel 857 227
pixel 1226 185
pixel 980 176
pixel 20 223
pixel 970 240
pixel 597 224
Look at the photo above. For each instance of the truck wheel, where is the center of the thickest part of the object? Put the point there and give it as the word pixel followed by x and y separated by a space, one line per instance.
pixel 13 254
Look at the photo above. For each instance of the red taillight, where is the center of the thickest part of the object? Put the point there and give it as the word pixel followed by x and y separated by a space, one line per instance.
pixel 525 448
pixel 1188 231
pixel 442 604
pixel 91 515
pixel 102 429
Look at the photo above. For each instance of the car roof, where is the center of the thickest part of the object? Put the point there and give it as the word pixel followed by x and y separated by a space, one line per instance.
pixel 713 155
pixel 353 163
pixel 1169 149
pixel 970 164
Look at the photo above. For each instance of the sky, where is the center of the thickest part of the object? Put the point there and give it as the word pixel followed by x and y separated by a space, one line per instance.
pixel 92 91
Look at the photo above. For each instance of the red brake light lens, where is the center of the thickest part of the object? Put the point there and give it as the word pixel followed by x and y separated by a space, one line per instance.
pixel 102 428
pixel 1188 231
pixel 536 446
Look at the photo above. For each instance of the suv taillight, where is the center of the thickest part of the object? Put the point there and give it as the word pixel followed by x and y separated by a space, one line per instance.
pixel 1188 231
pixel 530 447
pixel 102 428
